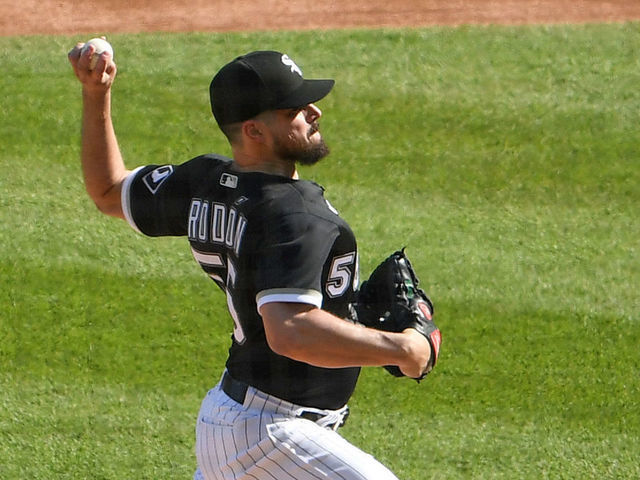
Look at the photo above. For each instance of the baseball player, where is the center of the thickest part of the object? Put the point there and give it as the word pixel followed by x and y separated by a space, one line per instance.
pixel 286 260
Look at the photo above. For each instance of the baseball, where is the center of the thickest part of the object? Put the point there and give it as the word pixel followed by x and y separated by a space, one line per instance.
pixel 101 45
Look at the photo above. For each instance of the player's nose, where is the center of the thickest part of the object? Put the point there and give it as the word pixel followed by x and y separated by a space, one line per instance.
pixel 313 113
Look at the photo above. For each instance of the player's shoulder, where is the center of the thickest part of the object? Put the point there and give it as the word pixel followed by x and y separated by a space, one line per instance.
pixel 202 169
pixel 206 162
pixel 289 196
pixel 298 202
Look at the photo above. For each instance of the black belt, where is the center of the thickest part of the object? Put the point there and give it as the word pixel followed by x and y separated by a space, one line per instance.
pixel 237 391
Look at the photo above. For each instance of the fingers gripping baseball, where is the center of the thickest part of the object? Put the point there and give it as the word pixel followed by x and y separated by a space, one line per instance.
pixel 94 68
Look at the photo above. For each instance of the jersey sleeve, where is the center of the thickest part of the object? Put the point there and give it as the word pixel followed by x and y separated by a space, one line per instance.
pixel 155 200
pixel 292 259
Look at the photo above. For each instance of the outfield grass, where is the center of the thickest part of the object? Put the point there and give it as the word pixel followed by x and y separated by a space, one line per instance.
pixel 506 159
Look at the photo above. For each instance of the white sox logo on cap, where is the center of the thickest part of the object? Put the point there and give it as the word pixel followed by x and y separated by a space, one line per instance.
pixel 291 64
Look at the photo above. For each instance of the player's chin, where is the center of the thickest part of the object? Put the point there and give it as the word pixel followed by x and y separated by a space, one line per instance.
pixel 316 141
pixel 313 154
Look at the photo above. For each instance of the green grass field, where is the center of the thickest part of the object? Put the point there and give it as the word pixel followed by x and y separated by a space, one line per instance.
pixel 506 159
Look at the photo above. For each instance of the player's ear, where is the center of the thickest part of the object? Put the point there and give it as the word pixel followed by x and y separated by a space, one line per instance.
pixel 254 130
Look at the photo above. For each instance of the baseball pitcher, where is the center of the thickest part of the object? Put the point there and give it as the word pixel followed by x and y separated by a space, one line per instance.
pixel 286 261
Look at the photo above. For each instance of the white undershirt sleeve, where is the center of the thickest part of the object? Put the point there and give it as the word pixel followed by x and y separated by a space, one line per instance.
pixel 125 199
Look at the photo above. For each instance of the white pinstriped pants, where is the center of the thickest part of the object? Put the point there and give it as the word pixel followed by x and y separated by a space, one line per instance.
pixel 264 440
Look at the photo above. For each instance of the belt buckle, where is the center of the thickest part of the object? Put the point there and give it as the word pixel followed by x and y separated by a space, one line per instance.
pixel 315 416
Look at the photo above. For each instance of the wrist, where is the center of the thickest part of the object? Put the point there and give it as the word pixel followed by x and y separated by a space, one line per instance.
pixel 417 353
pixel 96 94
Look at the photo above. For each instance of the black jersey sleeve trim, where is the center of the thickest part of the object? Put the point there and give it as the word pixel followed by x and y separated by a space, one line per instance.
pixel 289 295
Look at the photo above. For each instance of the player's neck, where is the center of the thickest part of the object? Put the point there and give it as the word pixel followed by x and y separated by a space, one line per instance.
pixel 251 163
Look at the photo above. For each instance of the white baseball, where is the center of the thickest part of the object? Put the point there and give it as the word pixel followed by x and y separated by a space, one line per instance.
pixel 101 45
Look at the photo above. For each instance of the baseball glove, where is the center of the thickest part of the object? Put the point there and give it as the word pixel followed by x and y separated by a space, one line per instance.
pixel 391 300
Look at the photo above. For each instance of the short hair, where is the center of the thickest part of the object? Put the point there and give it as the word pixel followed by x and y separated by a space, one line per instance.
pixel 233 132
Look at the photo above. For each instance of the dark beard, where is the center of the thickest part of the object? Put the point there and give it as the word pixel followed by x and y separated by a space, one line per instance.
pixel 308 154
pixel 313 154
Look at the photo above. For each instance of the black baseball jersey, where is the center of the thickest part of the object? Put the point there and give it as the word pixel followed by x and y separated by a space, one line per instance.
pixel 262 238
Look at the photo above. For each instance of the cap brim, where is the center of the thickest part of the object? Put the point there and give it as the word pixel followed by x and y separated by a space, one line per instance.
pixel 309 92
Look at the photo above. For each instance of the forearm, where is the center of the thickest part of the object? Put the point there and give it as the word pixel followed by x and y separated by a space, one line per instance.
pixel 102 164
pixel 324 340
pixel 316 337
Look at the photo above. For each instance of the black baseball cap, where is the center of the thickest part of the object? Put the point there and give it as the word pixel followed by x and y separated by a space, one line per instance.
pixel 261 81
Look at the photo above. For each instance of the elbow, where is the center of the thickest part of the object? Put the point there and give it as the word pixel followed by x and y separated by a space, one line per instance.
pixel 284 342
pixel 105 207
pixel 108 204
pixel 286 329
pixel 100 204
